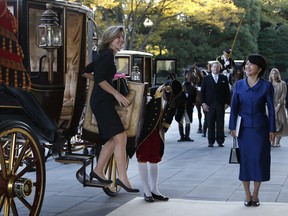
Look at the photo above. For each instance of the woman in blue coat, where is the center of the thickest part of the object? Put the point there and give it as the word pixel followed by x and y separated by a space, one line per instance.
pixel 251 97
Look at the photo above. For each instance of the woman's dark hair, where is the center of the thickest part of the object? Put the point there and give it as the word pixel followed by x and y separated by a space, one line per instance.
pixel 258 60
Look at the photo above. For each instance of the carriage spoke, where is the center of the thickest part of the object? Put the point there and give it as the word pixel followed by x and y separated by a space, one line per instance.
pixel 13 207
pixel 12 154
pixel 26 203
pixel 27 168
pixel 20 157
pixel 2 201
pixel 6 206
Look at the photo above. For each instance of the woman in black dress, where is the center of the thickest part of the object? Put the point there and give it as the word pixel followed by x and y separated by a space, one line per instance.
pixel 102 103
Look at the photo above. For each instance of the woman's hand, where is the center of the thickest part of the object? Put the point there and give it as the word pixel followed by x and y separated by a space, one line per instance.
pixel 272 136
pixel 233 133
pixel 123 101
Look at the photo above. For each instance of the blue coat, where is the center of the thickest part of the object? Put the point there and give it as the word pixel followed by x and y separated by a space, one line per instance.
pixel 256 108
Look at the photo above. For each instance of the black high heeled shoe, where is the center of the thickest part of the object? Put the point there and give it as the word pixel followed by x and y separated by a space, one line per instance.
pixel 94 175
pixel 160 197
pixel 255 203
pixel 121 184
pixel 248 203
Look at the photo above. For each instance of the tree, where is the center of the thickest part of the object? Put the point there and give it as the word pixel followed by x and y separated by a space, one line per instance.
pixel 273 34
pixel 144 19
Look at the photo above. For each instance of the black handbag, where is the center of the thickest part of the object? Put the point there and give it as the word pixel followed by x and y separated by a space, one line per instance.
pixel 121 85
pixel 234 153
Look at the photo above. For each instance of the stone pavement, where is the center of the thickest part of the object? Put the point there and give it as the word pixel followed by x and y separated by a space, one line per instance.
pixel 189 171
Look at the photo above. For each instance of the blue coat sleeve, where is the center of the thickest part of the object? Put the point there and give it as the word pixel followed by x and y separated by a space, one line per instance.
pixel 234 108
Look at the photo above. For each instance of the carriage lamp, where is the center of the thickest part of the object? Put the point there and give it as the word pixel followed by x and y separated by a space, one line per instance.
pixel 135 74
pixel 49 36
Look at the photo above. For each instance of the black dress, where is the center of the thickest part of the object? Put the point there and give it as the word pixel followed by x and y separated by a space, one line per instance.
pixel 103 103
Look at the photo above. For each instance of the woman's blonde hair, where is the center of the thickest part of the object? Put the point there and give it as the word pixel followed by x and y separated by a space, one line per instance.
pixel 109 35
pixel 277 73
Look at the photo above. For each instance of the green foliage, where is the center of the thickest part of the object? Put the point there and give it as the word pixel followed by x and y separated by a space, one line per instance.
pixel 196 31
pixel 273 34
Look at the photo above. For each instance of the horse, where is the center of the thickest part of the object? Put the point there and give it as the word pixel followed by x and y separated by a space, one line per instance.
pixel 197 75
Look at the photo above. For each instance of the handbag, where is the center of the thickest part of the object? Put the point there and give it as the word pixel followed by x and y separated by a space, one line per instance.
pixel 234 153
pixel 121 86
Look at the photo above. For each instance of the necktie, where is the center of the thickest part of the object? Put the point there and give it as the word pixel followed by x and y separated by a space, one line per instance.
pixel 216 78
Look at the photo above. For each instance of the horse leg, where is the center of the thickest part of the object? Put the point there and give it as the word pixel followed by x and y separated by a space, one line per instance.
pixel 198 106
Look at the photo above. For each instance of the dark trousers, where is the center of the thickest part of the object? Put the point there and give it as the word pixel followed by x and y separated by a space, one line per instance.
pixel 215 120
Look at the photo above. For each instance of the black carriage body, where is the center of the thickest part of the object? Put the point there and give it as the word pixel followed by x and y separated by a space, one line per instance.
pixel 62 101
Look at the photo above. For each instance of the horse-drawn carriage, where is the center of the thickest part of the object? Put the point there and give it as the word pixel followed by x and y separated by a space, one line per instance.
pixel 45 114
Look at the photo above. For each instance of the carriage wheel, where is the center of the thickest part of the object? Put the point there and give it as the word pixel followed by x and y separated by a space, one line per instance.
pixel 111 173
pixel 21 191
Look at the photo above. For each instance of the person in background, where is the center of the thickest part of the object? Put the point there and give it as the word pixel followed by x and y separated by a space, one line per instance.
pixel 286 98
pixel 215 97
pixel 280 92
pixel 102 104
pixel 159 114
pixel 227 63
pixel 250 98
pixel 237 74
pixel 185 107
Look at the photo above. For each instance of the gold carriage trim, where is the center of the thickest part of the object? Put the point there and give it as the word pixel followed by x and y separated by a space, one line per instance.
pixel 15 78
pixel 11 64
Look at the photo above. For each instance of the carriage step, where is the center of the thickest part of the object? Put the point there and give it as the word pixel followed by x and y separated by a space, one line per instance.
pixel 84 178
pixel 76 158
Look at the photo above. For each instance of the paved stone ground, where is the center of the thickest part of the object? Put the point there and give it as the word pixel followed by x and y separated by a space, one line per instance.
pixel 189 170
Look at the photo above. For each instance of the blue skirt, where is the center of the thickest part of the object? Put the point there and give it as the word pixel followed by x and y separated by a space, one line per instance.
pixel 255 156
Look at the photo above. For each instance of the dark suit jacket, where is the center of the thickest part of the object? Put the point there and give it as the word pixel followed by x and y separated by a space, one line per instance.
pixel 212 92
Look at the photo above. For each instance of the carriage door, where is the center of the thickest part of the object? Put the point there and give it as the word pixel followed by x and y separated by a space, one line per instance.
pixel 76 51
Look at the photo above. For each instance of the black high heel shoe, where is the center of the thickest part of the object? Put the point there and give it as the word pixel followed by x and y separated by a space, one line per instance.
pixel 94 175
pixel 255 203
pixel 248 203
pixel 121 184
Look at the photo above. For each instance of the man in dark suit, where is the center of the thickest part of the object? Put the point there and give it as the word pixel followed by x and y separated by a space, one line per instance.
pixel 215 96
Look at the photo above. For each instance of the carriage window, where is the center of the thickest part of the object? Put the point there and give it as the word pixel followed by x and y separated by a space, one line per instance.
pixel 122 64
pixel 36 53
pixel 163 68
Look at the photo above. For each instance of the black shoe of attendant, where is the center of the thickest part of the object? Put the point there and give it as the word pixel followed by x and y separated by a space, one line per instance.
pixel 160 197
pixel 221 145
pixel 188 139
pixel 182 139
pixel 210 145
pixel 148 198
